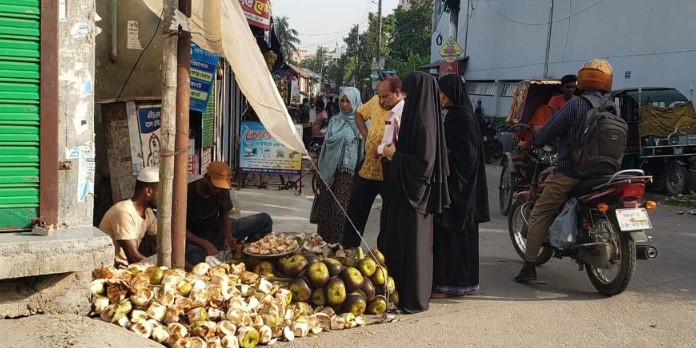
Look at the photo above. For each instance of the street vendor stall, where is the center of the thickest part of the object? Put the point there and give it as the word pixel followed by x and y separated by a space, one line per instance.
pixel 281 287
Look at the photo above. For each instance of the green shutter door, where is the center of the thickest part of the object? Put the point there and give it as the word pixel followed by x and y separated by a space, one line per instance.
pixel 19 112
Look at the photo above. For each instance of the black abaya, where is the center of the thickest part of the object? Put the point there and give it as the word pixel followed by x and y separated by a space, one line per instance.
pixel 456 248
pixel 415 188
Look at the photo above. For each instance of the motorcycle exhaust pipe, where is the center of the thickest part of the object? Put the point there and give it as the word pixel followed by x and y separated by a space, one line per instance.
pixel 646 252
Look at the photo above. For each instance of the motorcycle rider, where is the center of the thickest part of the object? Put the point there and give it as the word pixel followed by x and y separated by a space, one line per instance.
pixel 594 78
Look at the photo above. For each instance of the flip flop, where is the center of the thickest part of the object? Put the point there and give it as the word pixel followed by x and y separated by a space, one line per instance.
pixel 439 295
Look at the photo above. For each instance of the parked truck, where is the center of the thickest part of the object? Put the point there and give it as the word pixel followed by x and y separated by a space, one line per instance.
pixel 661 134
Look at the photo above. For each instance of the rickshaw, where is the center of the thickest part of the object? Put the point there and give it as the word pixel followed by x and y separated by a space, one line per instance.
pixel 527 97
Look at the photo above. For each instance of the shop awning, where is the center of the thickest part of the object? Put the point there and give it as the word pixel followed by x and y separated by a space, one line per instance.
pixel 435 65
pixel 238 46
pixel 299 71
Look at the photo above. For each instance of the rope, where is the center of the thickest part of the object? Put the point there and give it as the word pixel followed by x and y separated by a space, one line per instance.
pixel 345 213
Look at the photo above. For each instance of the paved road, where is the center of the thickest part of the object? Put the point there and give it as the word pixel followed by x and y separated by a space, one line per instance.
pixel 561 309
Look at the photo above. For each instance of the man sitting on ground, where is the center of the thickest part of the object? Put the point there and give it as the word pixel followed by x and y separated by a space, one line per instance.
pixel 209 226
pixel 128 221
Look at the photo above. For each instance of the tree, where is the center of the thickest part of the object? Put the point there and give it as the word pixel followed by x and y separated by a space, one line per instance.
pixel 409 44
pixel 287 36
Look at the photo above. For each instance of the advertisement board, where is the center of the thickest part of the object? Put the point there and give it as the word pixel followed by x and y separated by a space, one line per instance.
pixel 203 68
pixel 260 153
pixel 144 130
pixel 257 13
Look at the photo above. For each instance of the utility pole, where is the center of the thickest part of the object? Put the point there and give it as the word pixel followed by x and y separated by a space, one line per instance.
pixel 466 30
pixel 357 57
pixel 180 186
pixel 167 133
pixel 548 41
pixel 378 53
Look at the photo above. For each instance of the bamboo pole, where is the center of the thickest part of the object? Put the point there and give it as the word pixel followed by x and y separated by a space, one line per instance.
pixel 167 133
pixel 180 187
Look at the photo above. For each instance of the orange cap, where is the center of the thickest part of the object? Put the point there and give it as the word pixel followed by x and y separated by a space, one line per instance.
pixel 220 174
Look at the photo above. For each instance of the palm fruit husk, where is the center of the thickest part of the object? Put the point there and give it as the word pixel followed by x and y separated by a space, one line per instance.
pixel 142 297
pixel 225 328
pixel 248 337
pixel 98 287
pixel 197 314
pixel 204 329
pixel 116 290
pixel 156 311
pixel 142 328
pixel 99 304
pixel 201 269
pixel 230 341
pixel 160 335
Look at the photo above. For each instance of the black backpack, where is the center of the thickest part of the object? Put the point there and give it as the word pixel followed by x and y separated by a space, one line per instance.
pixel 602 140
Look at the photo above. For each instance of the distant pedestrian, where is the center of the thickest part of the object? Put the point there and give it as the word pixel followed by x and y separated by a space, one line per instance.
pixel 320 123
pixel 568 89
pixel 456 231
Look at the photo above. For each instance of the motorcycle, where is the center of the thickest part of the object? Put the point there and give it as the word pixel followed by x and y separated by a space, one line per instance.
pixel 611 225
pixel 492 147
pixel 517 167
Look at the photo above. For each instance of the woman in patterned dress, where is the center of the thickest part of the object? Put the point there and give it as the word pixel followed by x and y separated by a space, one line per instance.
pixel 340 154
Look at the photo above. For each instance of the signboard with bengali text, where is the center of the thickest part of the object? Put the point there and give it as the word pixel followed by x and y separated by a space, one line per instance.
pixel 257 12
pixel 203 68
pixel 259 152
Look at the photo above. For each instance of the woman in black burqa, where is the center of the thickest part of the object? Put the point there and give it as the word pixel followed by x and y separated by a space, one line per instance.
pixel 456 235
pixel 415 189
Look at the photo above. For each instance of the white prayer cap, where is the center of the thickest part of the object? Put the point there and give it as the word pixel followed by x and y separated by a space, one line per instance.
pixel 149 175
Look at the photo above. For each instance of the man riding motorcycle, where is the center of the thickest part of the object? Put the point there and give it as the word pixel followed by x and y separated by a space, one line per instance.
pixel 594 78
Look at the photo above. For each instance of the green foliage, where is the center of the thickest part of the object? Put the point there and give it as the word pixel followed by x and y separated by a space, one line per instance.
pixel 287 36
pixel 405 45
pixel 411 36
pixel 411 64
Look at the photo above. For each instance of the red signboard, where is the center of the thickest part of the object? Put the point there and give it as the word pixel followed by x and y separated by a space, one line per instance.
pixel 447 68
pixel 257 12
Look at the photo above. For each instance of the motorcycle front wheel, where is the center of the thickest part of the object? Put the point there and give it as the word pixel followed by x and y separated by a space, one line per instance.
pixel 518 220
pixel 616 278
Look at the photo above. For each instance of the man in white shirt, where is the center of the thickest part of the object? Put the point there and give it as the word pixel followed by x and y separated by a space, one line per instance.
pixel 389 100
pixel 129 221
pixel 391 128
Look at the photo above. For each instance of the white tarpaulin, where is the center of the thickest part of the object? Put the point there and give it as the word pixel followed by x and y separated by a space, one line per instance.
pixel 219 26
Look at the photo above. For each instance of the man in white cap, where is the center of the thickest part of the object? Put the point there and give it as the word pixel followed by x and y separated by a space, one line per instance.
pixel 128 221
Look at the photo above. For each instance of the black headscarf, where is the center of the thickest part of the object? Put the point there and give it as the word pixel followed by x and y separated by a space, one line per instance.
pixel 453 87
pixel 421 156
pixel 467 181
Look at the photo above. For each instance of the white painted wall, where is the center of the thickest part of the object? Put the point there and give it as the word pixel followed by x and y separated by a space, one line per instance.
pixel 654 40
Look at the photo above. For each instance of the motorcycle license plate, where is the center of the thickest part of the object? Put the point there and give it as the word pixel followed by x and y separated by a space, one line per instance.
pixel 633 219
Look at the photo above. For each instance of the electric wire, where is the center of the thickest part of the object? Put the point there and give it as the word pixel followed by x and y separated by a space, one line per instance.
pixel 545 23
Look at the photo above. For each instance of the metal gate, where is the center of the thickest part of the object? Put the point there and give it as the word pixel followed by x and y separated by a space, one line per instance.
pixel 19 112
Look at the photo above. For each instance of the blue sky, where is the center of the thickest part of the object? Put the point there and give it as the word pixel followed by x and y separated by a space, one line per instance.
pixel 326 22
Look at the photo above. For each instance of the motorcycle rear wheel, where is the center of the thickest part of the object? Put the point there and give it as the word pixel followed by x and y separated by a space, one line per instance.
pixel 518 218
pixel 505 190
pixel 615 279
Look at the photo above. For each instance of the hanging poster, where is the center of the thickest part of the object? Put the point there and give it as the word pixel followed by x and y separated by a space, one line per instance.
pixel 144 129
pixel 295 97
pixel 257 12
pixel 203 68
pixel 259 152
